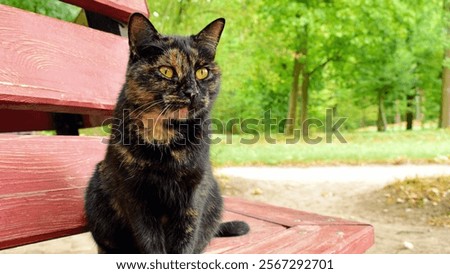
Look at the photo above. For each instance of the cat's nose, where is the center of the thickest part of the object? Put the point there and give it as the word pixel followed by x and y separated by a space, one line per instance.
pixel 190 93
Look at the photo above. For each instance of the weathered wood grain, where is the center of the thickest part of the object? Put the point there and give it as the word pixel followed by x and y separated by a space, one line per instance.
pixel 31 164
pixel 40 216
pixel 280 215
pixel 42 182
pixel 314 239
pixel 50 65
pixel 260 230
pixel 116 9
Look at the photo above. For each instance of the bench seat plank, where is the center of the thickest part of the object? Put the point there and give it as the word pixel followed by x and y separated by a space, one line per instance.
pixel 260 230
pixel 314 239
pixel 116 9
pixel 51 65
pixel 43 179
pixel 281 215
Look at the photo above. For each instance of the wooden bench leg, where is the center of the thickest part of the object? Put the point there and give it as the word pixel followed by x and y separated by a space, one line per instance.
pixel 66 123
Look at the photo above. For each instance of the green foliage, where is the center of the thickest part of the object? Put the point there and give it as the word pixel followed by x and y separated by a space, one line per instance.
pixel 399 53
pixel 355 48
pixel 52 8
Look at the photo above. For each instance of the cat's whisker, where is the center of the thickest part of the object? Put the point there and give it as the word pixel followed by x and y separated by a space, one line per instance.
pixel 146 107
pixel 130 177
pixel 162 112
pixel 143 106
pixel 145 110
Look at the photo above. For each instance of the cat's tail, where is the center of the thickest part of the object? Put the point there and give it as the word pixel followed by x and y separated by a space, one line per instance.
pixel 233 228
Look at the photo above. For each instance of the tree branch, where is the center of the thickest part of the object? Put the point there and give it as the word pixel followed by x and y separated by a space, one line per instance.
pixel 329 59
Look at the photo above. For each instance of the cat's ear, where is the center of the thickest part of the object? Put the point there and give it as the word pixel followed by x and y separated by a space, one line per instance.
pixel 209 37
pixel 140 31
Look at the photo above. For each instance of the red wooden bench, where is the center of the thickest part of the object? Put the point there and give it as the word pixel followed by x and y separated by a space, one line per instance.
pixel 48 67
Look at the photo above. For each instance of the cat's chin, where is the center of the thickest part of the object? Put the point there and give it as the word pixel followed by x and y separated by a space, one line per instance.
pixel 181 114
pixel 185 113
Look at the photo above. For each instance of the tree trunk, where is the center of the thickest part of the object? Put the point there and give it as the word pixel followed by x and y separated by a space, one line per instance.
pixel 445 105
pixel 381 122
pixel 335 114
pixel 305 83
pixel 305 97
pixel 293 98
pixel 409 111
pixel 398 116
pixel 445 101
pixel 363 118
pixel 420 113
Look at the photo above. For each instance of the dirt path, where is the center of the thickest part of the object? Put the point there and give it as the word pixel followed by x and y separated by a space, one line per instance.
pixel 347 192
pixel 341 191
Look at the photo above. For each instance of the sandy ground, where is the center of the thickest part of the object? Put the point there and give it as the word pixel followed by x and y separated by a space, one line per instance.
pixel 348 192
pixel 343 191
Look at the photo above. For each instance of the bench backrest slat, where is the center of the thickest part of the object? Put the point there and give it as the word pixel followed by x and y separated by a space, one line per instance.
pixel 116 9
pixel 58 66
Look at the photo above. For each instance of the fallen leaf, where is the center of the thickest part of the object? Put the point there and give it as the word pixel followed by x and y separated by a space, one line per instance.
pixel 408 245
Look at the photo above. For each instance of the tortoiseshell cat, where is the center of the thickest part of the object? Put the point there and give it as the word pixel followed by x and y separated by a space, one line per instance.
pixel 154 192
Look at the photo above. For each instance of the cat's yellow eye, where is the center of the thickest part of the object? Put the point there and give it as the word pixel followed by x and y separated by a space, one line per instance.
pixel 166 71
pixel 201 73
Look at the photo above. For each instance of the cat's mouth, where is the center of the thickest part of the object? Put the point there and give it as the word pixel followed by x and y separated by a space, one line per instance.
pixel 182 108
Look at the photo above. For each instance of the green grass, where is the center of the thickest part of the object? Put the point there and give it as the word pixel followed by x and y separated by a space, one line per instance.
pixel 95 131
pixel 423 146
pixel 392 147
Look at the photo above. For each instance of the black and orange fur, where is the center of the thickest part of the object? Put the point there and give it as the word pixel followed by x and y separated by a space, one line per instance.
pixel 154 192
